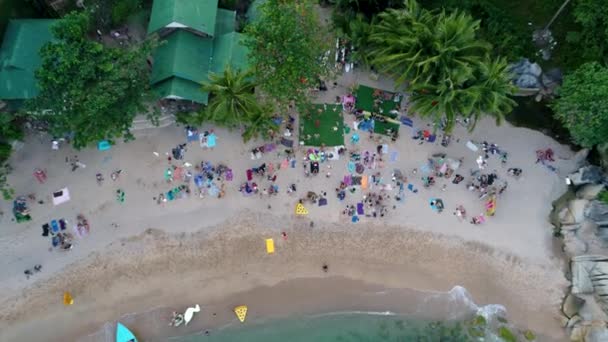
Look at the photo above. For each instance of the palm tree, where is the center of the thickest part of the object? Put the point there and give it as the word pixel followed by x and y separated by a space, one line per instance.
pixel 485 94
pixel 491 91
pixel 260 124
pixel 233 101
pixel 417 45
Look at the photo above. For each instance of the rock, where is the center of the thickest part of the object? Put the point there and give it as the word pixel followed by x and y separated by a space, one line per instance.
pixel 573 246
pixel 589 191
pixel 578 333
pixel 602 150
pixel 580 157
pixel 566 228
pixel 577 209
pixel 535 69
pixel 564 320
pixel 598 213
pixel 573 321
pixel 587 174
pixel 597 333
pixel 590 276
pixel 565 216
pixel 527 81
pixel 571 305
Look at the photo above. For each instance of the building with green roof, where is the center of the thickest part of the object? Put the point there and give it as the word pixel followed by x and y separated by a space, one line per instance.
pixel 199 38
pixel 20 58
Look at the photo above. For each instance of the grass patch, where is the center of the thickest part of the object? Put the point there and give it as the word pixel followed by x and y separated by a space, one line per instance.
pixel 322 124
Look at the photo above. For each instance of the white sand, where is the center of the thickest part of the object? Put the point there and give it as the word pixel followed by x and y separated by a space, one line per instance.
pixel 519 235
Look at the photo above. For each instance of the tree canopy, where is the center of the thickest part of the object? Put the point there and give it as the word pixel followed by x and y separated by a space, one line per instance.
pixel 287 46
pixel 583 104
pixel 87 89
pixel 446 65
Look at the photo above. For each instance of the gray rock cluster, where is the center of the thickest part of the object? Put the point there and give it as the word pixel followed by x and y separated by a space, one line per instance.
pixel 582 221
pixel 531 80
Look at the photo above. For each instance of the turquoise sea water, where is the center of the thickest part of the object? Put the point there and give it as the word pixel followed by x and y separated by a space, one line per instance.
pixel 336 328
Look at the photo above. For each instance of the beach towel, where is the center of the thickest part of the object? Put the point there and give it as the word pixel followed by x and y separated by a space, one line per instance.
pixel 384 148
pixel 286 142
pixel 393 156
pixel 229 175
pixel 249 174
pixel 360 209
pixel 432 138
pixel 269 246
pixel 322 202
pixel 347 180
pixel 271 168
pixel 351 167
pixel 471 146
pixel 364 182
pixel 293 163
pixel 55 226
pixel 62 224
pixel 178 173
pixel 211 140
pixel 406 121
pixel 284 164
pixel 425 168
pixel 269 148
pixel 103 145
pixel 355 219
pixel 46 229
pixel 411 188
pixel 356 180
pixel 359 168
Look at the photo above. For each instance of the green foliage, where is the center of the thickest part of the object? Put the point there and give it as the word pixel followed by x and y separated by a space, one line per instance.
pixel 583 104
pixel 506 335
pixel 592 16
pixel 88 89
pixel 10 128
pixel 122 9
pixel 603 196
pixel 233 104
pixel 287 45
pixel 529 335
pixel 446 64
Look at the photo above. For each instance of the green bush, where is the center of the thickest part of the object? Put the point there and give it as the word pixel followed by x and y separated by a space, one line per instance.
pixel 122 9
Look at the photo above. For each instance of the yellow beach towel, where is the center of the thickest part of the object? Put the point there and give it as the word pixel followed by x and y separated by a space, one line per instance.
pixel 301 210
pixel 269 246
pixel 67 298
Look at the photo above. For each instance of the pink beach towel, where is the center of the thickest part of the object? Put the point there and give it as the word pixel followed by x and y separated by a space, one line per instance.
pixel 285 164
pixel 249 175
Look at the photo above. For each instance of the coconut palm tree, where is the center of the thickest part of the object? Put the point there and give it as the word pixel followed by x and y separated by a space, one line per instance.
pixel 417 45
pixel 486 93
pixel 260 124
pixel 233 102
pixel 491 91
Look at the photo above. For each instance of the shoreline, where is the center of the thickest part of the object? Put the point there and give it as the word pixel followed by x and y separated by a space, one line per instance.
pixel 156 268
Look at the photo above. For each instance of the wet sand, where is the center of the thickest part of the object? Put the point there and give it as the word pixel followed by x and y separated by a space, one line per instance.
pixel 155 269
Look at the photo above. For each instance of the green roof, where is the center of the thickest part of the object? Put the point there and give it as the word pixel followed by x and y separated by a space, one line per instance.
pixel 184 55
pixel 182 63
pixel 176 87
pixel 225 22
pixel 20 58
pixel 228 49
pixel 199 15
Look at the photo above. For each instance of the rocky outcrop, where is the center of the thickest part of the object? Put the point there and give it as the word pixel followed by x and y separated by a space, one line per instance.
pixel 582 220
pixel 587 175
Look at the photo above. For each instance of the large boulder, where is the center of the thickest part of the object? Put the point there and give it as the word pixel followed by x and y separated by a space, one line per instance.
pixel 598 213
pixel 572 304
pixel 577 209
pixel 573 246
pixel 597 332
pixel 589 191
pixel 587 174
pixel 602 150
pixel 565 216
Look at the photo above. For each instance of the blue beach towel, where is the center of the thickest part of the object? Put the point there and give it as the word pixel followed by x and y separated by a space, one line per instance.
pixel 211 140
pixel 351 167
pixel 393 156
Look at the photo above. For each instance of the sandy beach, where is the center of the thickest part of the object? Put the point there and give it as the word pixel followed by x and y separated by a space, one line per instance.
pixel 140 255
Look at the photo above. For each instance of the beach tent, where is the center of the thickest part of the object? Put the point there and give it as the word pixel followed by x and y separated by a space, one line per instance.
pixel 61 196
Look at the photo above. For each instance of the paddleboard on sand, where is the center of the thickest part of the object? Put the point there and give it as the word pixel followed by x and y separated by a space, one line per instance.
pixel 123 334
